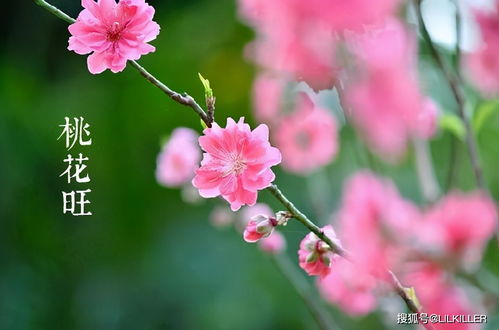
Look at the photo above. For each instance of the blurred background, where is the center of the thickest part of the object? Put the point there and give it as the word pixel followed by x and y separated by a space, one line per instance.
pixel 145 259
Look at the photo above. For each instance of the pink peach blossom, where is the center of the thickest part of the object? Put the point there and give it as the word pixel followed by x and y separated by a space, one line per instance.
pixel 267 94
pixel 298 38
pixel 221 217
pixel 349 287
pixel 427 123
pixel 113 33
pixel 237 162
pixel 375 223
pixel 385 98
pixel 438 294
pixel 273 244
pixel 290 43
pixel 315 256
pixel 460 224
pixel 308 138
pixel 482 65
pixel 179 158
pixel 247 212
pixel 259 226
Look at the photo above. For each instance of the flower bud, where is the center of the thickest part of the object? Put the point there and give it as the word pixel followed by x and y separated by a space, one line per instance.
pixel 282 218
pixel 258 227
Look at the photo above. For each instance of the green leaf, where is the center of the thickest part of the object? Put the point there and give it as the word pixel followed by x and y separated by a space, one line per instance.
pixel 206 84
pixel 454 125
pixel 203 124
pixel 483 113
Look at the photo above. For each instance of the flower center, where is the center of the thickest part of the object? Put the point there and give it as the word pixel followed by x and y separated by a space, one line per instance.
pixel 238 165
pixel 114 33
pixel 302 140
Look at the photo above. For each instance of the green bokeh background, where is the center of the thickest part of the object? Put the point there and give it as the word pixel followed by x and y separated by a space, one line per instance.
pixel 145 259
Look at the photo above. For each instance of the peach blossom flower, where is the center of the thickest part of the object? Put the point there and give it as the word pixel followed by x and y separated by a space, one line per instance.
pixel 375 223
pixel 308 138
pixel 314 255
pixel 461 224
pixel 113 33
pixel 273 244
pixel 259 226
pixel 179 158
pixel 349 287
pixel 385 98
pixel 482 65
pixel 267 94
pixel 237 163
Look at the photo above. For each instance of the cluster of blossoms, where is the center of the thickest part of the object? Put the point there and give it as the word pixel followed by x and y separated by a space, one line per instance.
pixel 304 41
pixel 323 44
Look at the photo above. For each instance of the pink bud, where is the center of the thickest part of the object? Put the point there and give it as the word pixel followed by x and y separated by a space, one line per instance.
pixel 258 227
pixel 315 256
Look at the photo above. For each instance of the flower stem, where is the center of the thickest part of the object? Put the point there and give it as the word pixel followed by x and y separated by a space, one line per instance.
pixel 182 98
pixel 55 11
pixel 284 265
pixel 455 88
pixel 298 215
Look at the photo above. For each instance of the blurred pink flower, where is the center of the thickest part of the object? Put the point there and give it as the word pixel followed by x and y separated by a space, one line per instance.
pixel 236 163
pixel 427 123
pixel 291 42
pixel 349 287
pixel 314 255
pixel 482 65
pixel 267 95
pixel 374 222
pixel 247 212
pixel 350 15
pixel 461 224
pixel 273 244
pixel 221 217
pixel 438 294
pixel 179 158
pixel 385 98
pixel 308 138
pixel 259 226
pixel 113 33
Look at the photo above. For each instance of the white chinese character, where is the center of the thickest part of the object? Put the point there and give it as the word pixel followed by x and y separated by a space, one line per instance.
pixel 70 198
pixel 402 318
pixel 74 132
pixel 78 169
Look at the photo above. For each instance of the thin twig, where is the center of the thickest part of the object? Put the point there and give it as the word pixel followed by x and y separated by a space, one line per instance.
pixel 182 98
pixel 453 82
pixel 287 269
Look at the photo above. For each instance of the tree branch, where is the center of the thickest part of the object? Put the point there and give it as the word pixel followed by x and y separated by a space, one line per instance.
pixel 453 82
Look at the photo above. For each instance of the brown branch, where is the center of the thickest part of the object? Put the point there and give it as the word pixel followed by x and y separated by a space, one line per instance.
pixel 455 88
